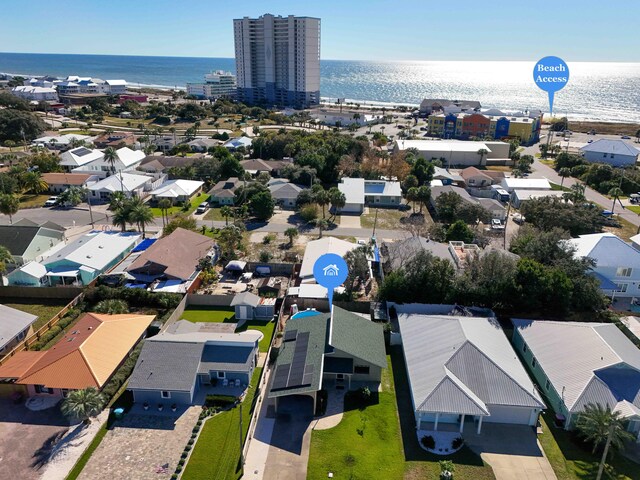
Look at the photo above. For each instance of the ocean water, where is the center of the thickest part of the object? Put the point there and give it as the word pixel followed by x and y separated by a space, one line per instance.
pixel 596 90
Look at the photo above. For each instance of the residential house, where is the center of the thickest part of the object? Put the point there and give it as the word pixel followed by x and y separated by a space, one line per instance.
pixel 519 196
pixel 255 166
pixel 126 160
pixel 616 263
pixel 223 192
pixel 475 178
pixel 396 254
pixel 284 193
pixel 116 87
pixel 35 94
pixel 456 152
pixel 162 163
pixel 132 185
pixel 495 208
pixel 446 177
pixel 239 142
pixel 178 191
pixel 249 306
pixel 181 365
pixel 27 240
pixel 581 363
pixel 79 157
pixel 165 142
pixel 116 140
pixel 360 192
pixel 86 356
pixel 316 248
pixel 322 350
pixel 512 183
pixel 59 182
pixel 93 254
pixel 58 142
pixel 15 326
pixel 203 144
pixel 462 372
pixel 617 153
pixel 174 257
pixel 31 274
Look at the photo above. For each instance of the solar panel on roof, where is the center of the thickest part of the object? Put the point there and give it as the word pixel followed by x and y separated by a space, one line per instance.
pixel 290 335
pixel 281 377
pixel 307 379
pixel 81 151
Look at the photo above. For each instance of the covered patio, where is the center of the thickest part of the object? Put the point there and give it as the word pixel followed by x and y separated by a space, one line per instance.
pixel 448 422
pixel 63 276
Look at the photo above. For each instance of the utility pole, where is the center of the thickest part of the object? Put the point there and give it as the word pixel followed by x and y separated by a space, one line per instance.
pixel 375 222
pixel 606 451
pixel 241 453
pixel 506 221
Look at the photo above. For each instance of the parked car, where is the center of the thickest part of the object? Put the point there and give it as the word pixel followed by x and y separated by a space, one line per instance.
pixel 519 218
pixel 51 201
pixel 626 137
pixel 634 198
pixel 496 224
pixel 202 208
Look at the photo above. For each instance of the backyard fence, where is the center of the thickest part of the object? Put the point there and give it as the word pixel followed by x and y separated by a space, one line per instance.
pixel 177 313
pixel 209 300
pixel 33 338
pixel 276 268
pixel 39 293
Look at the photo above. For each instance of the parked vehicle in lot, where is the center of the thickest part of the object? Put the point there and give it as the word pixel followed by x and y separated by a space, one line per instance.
pixel 519 218
pixel 634 198
pixel 202 208
pixel 51 201
pixel 496 224
pixel 626 137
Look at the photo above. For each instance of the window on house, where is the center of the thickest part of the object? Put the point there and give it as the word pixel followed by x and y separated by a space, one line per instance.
pixel 524 347
pixel 221 375
pixel 533 362
pixel 361 369
pixel 547 384
pixel 22 334
pixel 622 287
pixel 165 394
pixel 43 389
pixel 623 272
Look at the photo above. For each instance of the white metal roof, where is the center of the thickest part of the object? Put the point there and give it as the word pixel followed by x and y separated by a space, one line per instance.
pixel 612 146
pixel 513 183
pixel 176 188
pixel 353 189
pixel 116 82
pixel 442 145
pixel 13 322
pixel 130 157
pixel 95 249
pixel 533 194
pixel 80 156
pixel 35 269
pixel 462 365
pixel 578 357
pixel 606 249
pixel 129 183
pixel 316 248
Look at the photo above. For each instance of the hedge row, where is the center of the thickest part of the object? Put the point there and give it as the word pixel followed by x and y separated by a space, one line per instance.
pixel 123 373
pixel 137 297
pixel 54 331
pixel 220 400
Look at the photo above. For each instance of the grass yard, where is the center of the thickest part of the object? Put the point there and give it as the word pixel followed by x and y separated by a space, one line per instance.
pixel 376 442
pixel 571 462
pixel 209 314
pixel 555 186
pixel 633 208
pixel 266 329
pixel 626 230
pixel 45 312
pixel 214 214
pixel 217 452
pixel 195 201
pixel 33 201
pixel 388 218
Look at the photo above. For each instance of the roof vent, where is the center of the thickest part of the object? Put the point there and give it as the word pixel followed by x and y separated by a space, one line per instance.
pixel 90 328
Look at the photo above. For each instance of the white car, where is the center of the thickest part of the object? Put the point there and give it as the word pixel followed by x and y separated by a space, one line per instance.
pixel 202 208
pixel 496 224
pixel 51 201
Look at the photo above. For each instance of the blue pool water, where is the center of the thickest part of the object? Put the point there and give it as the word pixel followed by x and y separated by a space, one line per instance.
pixel 306 313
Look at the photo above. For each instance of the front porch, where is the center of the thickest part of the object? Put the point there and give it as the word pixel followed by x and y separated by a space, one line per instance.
pixel 448 422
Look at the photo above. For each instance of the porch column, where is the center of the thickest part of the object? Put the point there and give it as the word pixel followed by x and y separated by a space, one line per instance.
pixel 436 423
pixel 418 420
pixel 480 425
pixel 461 423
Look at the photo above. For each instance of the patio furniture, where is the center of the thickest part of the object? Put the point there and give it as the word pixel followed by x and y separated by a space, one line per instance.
pixel 237 382
pixel 225 383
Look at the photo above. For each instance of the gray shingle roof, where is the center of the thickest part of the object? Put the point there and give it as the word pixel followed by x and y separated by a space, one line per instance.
pixel 358 337
pixel 12 322
pixel 458 364
pixel 397 253
pixel 229 359
pixel 166 365
pixel 246 298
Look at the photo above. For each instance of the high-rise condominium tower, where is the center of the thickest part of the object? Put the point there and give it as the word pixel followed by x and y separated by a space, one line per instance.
pixel 278 60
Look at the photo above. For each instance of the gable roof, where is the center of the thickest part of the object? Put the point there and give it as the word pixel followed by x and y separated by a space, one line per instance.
pixel 12 322
pixel 585 361
pixel 358 337
pixel 130 182
pixel 18 237
pixel 166 162
pixel 353 189
pixel 316 248
pixel 65 178
pixel 246 298
pixel 177 188
pixel 86 356
pixel 606 249
pixel 462 363
pixel 130 157
pixel 179 253
pixel 612 146
pixel 77 157
pixel 470 172
pixel 284 190
pixel 399 252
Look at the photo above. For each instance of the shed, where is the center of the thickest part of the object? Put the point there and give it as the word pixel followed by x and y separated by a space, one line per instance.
pixel 249 306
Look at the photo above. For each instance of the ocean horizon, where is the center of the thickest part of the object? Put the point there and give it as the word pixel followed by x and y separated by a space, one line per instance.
pixel 596 91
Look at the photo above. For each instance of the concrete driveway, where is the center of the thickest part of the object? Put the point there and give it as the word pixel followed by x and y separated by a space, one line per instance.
pixel 27 439
pixel 512 451
pixel 350 221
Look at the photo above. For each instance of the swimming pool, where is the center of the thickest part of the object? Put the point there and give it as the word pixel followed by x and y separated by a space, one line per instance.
pixel 305 313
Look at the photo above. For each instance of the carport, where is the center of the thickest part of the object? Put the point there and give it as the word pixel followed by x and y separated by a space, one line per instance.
pixel 297 405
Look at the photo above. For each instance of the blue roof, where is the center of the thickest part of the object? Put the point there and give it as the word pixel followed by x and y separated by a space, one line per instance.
pixel 376 254
pixel 605 283
pixel 143 245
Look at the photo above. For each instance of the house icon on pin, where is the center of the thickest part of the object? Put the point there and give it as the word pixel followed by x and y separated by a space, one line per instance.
pixel 331 270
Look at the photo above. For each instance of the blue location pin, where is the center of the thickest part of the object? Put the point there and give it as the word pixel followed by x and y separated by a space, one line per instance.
pixel 330 271
pixel 551 74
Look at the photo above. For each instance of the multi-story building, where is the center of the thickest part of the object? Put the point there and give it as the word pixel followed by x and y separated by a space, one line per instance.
pixel 216 85
pixel 278 60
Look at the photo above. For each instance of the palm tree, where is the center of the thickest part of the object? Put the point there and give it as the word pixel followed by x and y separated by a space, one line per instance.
pixel 564 172
pixel 9 205
pixel 337 199
pixel 164 205
pixel 110 156
pixel 173 132
pixel 226 212
pixel 482 152
pixel 322 198
pixel 117 201
pixel 424 194
pixel 615 192
pixel 72 196
pixel 291 232
pixel 577 192
pixel 83 404
pixel 10 144
pixel 142 216
pixel 33 182
pixel 600 425
pixel 5 257
pixel 121 218
pixel 412 196
pixel 322 225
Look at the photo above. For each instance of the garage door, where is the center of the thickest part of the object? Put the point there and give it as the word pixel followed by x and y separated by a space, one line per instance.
pixel 502 414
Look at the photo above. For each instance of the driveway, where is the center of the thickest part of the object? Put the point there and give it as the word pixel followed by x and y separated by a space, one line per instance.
pixel 350 221
pixel 139 444
pixel 512 451
pixel 27 439
pixel 290 441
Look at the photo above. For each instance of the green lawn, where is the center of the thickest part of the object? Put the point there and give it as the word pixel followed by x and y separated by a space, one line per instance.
pixel 209 314
pixel 555 186
pixel 33 201
pixel 378 442
pixel 388 218
pixel 86 455
pixel 634 208
pixel 214 214
pixel 195 201
pixel 216 454
pixel 221 314
pixel 571 462
pixel 45 312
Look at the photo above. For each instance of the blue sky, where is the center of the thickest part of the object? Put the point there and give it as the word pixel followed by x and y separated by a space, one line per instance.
pixel 578 30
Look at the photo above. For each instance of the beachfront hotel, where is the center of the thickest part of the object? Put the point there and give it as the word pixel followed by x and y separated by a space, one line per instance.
pixel 278 60
pixel 216 85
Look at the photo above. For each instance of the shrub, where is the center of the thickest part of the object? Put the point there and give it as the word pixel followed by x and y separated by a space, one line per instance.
pixel 184 455
pixel 112 307
pixel 265 256
pixel 181 462
pixel 219 400
pixel 457 443
pixel 174 476
pixel 190 442
pixel 446 469
pixel 428 442
pixel 187 448
pixel 364 393
pixel 269 238
pixel 309 212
